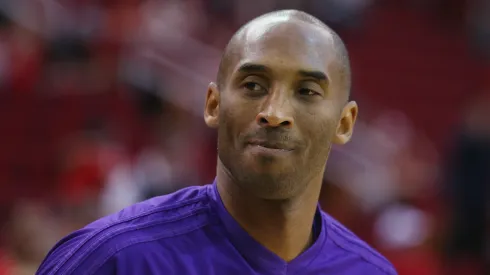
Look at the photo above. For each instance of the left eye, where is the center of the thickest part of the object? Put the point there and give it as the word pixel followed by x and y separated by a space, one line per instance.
pixel 252 86
pixel 307 92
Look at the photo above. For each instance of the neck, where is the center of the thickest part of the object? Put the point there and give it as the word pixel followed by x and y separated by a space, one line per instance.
pixel 282 226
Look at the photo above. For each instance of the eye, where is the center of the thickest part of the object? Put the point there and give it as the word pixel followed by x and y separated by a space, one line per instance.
pixel 252 86
pixel 307 92
pixel 253 89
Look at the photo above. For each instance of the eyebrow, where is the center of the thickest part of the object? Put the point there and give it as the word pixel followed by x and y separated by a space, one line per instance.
pixel 318 75
pixel 253 68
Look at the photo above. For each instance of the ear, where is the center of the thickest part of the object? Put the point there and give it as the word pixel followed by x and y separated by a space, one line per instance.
pixel 345 127
pixel 211 108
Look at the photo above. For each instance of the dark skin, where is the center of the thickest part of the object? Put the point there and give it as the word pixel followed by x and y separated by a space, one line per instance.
pixel 282 104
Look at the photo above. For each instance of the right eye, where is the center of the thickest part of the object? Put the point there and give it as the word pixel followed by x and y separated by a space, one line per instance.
pixel 253 87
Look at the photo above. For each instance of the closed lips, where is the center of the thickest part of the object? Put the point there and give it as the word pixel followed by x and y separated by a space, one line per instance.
pixel 271 145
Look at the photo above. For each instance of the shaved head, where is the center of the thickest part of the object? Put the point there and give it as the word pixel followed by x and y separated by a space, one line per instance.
pixel 236 44
pixel 283 85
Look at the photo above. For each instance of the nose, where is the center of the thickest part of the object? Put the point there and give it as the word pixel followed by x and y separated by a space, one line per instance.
pixel 276 114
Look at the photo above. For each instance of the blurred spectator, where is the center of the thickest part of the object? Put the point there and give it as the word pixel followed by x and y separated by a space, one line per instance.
pixel 468 179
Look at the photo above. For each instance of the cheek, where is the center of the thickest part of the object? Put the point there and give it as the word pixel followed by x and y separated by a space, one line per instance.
pixel 226 126
pixel 235 119
pixel 318 130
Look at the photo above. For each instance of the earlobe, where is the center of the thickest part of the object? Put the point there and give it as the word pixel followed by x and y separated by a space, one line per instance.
pixel 211 107
pixel 346 124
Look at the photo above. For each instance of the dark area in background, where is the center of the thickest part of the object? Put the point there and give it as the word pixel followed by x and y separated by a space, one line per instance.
pixel 468 178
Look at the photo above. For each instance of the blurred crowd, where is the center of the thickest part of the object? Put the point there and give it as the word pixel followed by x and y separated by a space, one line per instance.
pixel 101 107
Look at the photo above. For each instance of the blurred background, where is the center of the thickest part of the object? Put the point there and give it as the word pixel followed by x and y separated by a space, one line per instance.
pixel 101 106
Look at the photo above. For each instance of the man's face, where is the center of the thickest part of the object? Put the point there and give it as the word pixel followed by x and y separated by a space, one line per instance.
pixel 280 109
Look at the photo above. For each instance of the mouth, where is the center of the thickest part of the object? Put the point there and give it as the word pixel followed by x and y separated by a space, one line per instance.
pixel 270 145
pixel 269 148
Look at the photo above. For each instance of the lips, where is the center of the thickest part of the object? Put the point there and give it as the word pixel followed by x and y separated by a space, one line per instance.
pixel 271 145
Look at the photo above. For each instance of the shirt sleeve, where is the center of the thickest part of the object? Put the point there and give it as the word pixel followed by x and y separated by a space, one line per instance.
pixel 81 252
pixel 90 252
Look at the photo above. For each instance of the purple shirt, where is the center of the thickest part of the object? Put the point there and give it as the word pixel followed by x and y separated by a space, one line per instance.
pixel 190 232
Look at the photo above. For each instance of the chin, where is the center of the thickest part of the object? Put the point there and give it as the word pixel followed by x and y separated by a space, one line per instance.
pixel 264 177
pixel 272 190
pixel 268 166
pixel 268 182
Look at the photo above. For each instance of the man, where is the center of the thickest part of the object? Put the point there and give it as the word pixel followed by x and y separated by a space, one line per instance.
pixel 280 101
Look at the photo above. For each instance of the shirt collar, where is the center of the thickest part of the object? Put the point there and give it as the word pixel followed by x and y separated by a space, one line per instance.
pixel 262 259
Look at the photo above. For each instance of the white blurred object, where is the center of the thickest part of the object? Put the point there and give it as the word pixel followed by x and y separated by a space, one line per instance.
pixel 152 169
pixel 119 191
pixel 401 226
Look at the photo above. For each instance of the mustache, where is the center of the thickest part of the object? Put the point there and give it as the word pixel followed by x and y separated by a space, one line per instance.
pixel 273 138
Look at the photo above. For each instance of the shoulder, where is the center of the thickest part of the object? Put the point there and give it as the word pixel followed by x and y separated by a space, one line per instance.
pixel 92 247
pixel 347 241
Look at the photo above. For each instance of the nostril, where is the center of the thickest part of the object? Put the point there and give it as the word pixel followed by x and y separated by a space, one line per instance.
pixel 285 123
pixel 262 120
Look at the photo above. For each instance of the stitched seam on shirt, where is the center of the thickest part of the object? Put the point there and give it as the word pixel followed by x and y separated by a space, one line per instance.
pixel 151 239
pixel 146 213
pixel 337 228
pixel 101 239
pixel 384 269
pixel 342 231
pixel 98 237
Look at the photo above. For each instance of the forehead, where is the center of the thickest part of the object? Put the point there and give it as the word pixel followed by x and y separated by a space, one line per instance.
pixel 285 44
